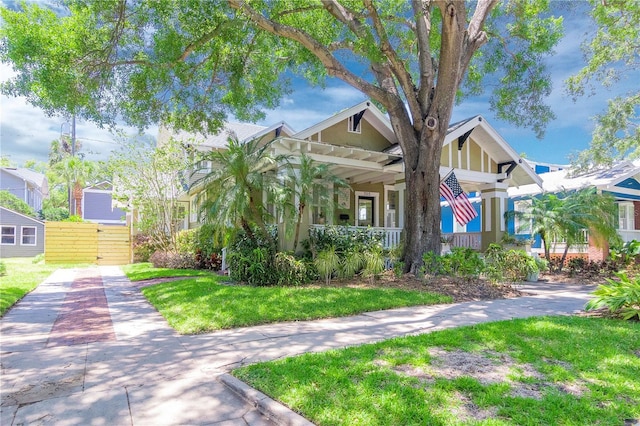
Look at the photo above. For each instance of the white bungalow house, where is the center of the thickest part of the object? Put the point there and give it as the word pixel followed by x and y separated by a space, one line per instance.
pixel 622 181
pixel 361 146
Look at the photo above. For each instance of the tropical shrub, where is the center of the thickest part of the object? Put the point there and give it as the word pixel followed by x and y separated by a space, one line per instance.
pixel 252 258
pixel 462 262
pixel 373 262
pixel 327 262
pixel 351 263
pixel 342 238
pixel 510 265
pixel 431 264
pixel 291 271
pixel 622 298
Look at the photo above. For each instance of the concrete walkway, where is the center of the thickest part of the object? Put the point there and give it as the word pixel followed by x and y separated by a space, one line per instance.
pixel 132 369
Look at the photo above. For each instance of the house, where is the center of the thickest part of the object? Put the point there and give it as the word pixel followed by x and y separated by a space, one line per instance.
pixel 22 236
pixel 622 181
pixel 29 186
pixel 99 207
pixel 361 146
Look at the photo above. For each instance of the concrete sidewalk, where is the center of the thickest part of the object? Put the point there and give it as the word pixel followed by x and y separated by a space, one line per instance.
pixel 149 375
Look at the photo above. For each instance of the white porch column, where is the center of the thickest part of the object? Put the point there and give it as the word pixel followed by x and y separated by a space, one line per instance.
pixel 494 205
pixel 401 187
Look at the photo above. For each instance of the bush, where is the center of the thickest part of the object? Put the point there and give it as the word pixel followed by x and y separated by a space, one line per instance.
pixel 172 260
pixel 342 238
pixel 462 262
pixel 143 248
pixel 252 260
pixel 54 214
pixel 509 265
pixel 622 298
pixel 291 271
pixel 186 241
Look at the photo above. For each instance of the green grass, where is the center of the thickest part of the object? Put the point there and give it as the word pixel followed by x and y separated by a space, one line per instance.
pixel 22 276
pixel 202 304
pixel 393 382
pixel 146 271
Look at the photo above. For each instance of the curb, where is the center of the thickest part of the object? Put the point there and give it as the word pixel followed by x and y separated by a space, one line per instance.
pixel 275 411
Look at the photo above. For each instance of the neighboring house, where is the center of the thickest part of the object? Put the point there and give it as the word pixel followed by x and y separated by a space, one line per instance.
pixel 361 146
pixel 29 186
pixel 22 236
pixel 99 207
pixel 622 181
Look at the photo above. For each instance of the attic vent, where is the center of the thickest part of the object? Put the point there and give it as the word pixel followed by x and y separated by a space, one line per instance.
pixel 354 122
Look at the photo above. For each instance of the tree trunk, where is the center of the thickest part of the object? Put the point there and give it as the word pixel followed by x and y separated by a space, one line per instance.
pixel 77 196
pixel 297 235
pixel 422 201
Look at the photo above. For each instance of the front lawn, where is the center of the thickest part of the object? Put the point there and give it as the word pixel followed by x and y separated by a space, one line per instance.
pixel 551 371
pixel 207 303
pixel 146 271
pixel 22 276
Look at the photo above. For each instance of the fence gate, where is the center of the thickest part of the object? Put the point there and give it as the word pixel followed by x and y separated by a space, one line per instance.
pixel 70 242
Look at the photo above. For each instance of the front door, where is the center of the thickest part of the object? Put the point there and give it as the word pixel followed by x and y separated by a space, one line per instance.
pixel 366 211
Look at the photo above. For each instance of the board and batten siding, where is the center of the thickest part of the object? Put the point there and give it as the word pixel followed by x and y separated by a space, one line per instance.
pixel 21 247
pixel 71 242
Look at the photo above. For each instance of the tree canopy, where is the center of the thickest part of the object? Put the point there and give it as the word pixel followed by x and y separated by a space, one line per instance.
pixel 189 64
pixel 613 54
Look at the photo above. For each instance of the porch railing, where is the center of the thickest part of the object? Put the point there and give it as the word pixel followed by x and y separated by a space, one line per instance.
pixel 472 240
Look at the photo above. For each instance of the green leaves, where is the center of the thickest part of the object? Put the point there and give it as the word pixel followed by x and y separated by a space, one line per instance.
pixel 620 297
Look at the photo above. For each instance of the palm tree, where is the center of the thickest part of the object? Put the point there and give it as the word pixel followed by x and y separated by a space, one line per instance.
pixel 310 179
pixel 231 190
pixel 566 216
pixel 76 174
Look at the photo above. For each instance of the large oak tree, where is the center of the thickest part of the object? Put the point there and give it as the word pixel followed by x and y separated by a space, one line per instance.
pixel 189 63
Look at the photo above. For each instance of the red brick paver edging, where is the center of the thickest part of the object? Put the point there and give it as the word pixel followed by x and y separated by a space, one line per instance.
pixel 84 317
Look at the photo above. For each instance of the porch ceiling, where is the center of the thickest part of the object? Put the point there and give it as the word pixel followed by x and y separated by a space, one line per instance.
pixel 355 165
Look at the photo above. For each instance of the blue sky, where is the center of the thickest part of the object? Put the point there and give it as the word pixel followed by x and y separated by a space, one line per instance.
pixel 26 133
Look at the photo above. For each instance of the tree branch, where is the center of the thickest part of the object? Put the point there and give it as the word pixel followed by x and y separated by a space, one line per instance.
pixel 324 55
pixel 395 63
pixel 422 12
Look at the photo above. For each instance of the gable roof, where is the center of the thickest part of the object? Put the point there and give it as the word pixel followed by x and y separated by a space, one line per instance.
pixel 22 215
pixel 492 143
pixel 243 131
pixel 105 185
pixel 562 180
pixel 371 113
pixel 37 179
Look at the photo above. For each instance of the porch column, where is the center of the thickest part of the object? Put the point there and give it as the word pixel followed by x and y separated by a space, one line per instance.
pixel 494 205
pixel 401 188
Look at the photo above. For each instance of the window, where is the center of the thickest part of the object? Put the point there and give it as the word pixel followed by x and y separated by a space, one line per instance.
pixel 354 124
pixel 625 216
pixel 9 235
pixel 29 235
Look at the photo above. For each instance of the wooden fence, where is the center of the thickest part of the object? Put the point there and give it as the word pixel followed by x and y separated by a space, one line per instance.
pixel 70 242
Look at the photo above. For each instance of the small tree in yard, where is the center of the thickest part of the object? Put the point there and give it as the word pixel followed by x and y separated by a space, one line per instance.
pixel 148 179
pixel 189 64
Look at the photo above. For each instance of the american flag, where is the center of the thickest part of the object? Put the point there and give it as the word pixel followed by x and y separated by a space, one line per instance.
pixel 452 192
